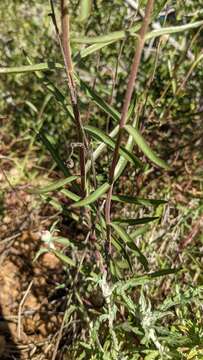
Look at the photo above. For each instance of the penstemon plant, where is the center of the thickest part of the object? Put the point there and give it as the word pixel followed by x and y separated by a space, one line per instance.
pixel 108 266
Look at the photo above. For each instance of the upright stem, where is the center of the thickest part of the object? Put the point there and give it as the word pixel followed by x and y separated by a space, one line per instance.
pixel 66 53
pixel 127 100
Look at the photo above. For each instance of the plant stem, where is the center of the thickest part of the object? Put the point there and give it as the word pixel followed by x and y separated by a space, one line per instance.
pixel 127 100
pixel 66 53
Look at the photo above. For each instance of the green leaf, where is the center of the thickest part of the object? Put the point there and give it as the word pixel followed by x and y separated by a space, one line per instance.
pixel 87 51
pixel 65 259
pixel 54 202
pixel 137 200
pixel 153 355
pixel 62 240
pixel 31 68
pixel 92 197
pixel 53 186
pixel 40 252
pixel 163 272
pixel 144 279
pixel 158 6
pixel 144 147
pixel 31 106
pixel 85 9
pixel 51 87
pixel 122 162
pixel 103 105
pixel 173 30
pixel 53 152
pixel 127 239
pixel 111 37
pixel 69 194
pixel 120 247
pixel 139 231
pixel 59 98
pixel 130 222
pixel 101 136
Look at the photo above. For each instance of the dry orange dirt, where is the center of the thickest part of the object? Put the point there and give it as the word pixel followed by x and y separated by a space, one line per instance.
pixel 31 309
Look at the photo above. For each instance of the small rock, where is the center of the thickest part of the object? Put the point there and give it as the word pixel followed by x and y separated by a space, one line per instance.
pixel 35 236
pixel 50 261
pixel 29 326
pixel 42 329
pixel 7 220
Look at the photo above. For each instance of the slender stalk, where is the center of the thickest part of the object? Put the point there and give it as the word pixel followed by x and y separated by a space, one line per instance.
pixel 64 44
pixel 127 100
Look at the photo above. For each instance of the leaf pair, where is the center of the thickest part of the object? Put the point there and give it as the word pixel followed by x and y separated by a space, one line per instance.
pixel 133 31
pixel 101 136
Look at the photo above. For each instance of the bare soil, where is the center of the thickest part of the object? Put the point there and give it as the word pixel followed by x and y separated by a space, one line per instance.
pixel 31 308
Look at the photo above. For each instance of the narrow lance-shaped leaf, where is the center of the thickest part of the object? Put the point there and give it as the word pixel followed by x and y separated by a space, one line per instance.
pixel 65 259
pixel 101 136
pixel 53 186
pixel 113 36
pixel 122 162
pixel 40 252
pixel 137 200
pixel 120 247
pixel 144 147
pixel 69 194
pixel 30 68
pixel 163 272
pixel 158 6
pixel 54 202
pixel 141 280
pixel 83 53
pixel 139 231
pixel 85 9
pixel 103 105
pixel 130 222
pixel 53 89
pixel 173 30
pixel 53 153
pixel 60 98
pixel 127 239
pixel 63 241
pixel 92 197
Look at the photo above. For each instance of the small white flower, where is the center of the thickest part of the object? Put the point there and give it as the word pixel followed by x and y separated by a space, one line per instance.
pixel 48 239
pixel 106 289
